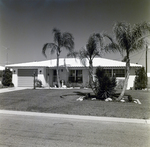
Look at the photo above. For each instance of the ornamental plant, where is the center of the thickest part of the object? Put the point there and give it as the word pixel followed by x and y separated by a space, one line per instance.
pixel 104 85
pixel 7 78
pixel 140 79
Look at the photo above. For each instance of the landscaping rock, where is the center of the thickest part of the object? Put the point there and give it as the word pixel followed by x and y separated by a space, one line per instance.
pixel 93 99
pixel 122 100
pixel 108 99
pixel 80 98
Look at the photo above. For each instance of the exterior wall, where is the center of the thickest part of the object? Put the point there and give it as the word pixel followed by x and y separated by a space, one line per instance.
pixel 85 77
pixel 15 77
pixel 42 76
pixel 131 82
pixel 63 76
pixel 1 72
pixel 148 76
pixel 46 76
pixel 49 77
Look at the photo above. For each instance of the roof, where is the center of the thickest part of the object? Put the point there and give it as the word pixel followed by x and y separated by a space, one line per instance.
pixel 2 68
pixel 72 62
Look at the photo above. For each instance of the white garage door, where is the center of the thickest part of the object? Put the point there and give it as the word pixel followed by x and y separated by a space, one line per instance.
pixel 25 77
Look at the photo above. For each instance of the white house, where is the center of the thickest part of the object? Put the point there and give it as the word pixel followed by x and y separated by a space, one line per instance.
pixel 72 72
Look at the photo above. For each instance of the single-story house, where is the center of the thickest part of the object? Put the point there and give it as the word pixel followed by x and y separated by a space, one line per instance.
pixel 72 72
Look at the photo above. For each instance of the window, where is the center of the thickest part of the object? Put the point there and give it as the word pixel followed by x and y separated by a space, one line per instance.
pixel 108 72
pixel 54 76
pixel 79 76
pixel 75 76
pixel 72 76
pixel 119 72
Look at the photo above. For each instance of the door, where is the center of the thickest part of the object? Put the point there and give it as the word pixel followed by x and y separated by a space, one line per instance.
pixel 26 77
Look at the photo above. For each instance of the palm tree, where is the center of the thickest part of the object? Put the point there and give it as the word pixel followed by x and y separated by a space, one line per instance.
pixel 89 52
pixel 61 40
pixel 128 39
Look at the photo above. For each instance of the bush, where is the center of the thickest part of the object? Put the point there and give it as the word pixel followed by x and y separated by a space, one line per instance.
pixel 7 78
pixel 38 83
pixel 140 79
pixel 104 85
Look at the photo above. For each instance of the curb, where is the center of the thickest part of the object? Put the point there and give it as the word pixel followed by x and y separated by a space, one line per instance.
pixel 80 117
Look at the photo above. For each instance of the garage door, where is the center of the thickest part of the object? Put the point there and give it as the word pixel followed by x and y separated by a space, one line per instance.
pixel 25 77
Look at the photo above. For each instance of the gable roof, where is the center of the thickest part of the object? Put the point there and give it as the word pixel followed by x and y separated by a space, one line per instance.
pixel 72 62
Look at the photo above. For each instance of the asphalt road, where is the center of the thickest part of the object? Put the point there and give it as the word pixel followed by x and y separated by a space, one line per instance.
pixel 46 131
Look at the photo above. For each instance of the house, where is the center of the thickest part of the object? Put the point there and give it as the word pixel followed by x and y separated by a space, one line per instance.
pixel 72 72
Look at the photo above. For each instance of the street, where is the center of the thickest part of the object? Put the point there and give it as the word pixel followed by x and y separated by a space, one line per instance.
pixel 44 131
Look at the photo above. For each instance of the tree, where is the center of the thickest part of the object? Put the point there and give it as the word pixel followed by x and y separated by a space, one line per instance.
pixel 140 79
pixel 61 40
pixel 89 52
pixel 128 39
pixel 7 78
pixel 104 85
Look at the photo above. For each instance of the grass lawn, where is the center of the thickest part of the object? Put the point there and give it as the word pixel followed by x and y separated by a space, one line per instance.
pixel 64 102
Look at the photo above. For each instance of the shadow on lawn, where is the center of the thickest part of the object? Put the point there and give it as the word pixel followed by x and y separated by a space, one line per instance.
pixel 75 93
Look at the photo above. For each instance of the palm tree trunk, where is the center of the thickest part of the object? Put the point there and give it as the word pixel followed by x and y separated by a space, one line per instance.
pixel 91 82
pixel 126 80
pixel 57 71
pixel 90 72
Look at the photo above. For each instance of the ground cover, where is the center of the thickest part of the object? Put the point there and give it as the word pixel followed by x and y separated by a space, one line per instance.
pixel 64 101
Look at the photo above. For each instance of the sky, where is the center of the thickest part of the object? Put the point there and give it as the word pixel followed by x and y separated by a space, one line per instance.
pixel 26 25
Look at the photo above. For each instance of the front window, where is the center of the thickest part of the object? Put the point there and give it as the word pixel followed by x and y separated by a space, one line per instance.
pixel 75 76
pixel 108 72
pixel 119 72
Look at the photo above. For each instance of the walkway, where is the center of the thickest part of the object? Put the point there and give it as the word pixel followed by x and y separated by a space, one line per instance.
pixel 4 90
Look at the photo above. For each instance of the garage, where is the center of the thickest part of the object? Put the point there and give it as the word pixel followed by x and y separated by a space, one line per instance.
pixel 26 77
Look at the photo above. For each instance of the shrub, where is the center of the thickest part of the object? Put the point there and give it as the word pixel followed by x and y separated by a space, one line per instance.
pixel 104 85
pixel 7 78
pixel 140 79
pixel 38 83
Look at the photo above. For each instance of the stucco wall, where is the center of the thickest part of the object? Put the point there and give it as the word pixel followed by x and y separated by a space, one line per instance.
pixel 42 76
pixel 15 77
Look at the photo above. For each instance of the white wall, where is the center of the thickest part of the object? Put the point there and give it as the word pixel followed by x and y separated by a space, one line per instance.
pixel 15 77
pixel 131 82
pixel 42 76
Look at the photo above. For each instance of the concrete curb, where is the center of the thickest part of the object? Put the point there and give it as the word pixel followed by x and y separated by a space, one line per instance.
pixel 81 117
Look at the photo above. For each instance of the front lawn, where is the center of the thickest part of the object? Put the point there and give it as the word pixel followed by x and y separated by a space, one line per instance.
pixel 64 102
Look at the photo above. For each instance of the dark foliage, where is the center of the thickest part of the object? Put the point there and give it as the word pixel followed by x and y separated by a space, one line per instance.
pixel 7 78
pixel 140 79
pixel 104 85
pixel 38 83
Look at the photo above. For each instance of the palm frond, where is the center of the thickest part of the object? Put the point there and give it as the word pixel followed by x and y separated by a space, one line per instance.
pixel 122 31
pixel 51 46
pixel 112 46
pixel 68 41
pixel 140 32
pixel 83 53
pixel 73 54
pixel 100 37
pixel 57 37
